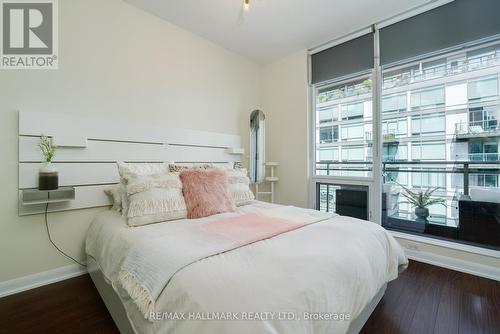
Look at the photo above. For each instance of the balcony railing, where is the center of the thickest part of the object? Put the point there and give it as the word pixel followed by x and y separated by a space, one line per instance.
pixel 364 87
pixel 464 168
pixel 483 157
pixel 445 70
pixel 480 128
pixel 488 166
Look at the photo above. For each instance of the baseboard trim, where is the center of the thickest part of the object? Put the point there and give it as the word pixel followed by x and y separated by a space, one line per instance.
pixel 454 264
pixel 40 279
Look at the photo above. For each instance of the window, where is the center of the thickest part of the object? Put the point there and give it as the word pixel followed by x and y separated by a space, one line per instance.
pixel 395 152
pixel 427 179
pixel 427 98
pixel 329 114
pixel 438 113
pixel 484 180
pixel 353 153
pixel 353 132
pixel 445 125
pixel 343 128
pixel 483 151
pixel 483 89
pixel 328 134
pixel 394 102
pixel 426 125
pixel 329 154
pixel 352 111
pixel 428 151
pixel 394 128
pixel 483 118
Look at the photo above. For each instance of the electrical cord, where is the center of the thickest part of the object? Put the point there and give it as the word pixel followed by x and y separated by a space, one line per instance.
pixel 53 243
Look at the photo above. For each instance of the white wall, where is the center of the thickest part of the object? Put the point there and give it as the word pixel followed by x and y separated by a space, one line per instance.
pixel 116 61
pixel 285 105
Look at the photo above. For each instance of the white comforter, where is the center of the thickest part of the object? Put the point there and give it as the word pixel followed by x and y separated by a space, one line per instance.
pixel 331 268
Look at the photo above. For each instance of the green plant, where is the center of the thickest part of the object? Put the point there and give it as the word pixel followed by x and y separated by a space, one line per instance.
pixel 367 83
pixel 421 199
pixel 48 149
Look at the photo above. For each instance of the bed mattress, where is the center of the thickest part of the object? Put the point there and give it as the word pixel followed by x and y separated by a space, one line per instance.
pixel 313 280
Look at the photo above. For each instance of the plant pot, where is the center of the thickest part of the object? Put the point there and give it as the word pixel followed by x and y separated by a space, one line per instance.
pixel 48 177
pixel 422 213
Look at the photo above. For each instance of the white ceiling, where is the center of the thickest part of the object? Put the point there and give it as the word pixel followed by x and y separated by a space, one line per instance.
pixel 272 29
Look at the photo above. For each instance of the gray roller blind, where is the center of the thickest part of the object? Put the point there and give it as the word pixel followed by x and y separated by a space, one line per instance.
pixel 347 58
pixel 450 25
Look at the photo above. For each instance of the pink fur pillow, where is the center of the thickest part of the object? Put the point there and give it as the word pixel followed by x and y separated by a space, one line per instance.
pixel 206 192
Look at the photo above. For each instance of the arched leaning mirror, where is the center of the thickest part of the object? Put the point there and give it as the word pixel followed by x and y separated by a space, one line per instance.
pixel 257 146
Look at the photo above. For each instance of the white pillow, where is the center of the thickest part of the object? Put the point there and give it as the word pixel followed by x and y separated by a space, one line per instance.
pixel 114 193
pixel 137 168
pixel 239 186
pixel 154 198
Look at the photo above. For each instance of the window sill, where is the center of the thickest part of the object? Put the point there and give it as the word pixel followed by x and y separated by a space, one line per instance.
pixel 447 244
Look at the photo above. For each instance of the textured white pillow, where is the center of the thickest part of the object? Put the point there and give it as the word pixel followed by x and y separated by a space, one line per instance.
pixel 154 198
pixel 137 168
pixel 115 194
pixel 239 186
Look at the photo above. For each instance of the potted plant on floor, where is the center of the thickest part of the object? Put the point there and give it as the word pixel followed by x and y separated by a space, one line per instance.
pixel 421 201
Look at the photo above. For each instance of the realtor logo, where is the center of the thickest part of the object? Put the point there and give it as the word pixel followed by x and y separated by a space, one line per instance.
pixel 28 34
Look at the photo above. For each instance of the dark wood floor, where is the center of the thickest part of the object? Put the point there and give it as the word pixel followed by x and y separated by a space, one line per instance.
pixel 424 299
pixel 429 299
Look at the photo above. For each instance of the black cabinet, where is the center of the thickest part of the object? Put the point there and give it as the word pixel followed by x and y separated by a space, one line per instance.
pixel 352 203
pixel 479 222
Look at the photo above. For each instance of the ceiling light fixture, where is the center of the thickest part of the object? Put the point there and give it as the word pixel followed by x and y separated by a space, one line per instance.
pixel 246 4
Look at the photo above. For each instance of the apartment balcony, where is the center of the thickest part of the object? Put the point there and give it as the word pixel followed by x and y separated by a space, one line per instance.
pixel 470 212
pixel 445 70
pixel 358 89
pixel 479 157
pixel 489 128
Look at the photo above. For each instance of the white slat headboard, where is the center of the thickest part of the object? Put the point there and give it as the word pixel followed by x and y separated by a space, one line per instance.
pixel 89 148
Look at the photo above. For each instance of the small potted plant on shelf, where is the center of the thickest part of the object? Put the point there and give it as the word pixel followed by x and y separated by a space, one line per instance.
pixel 48 177
pixel 421 201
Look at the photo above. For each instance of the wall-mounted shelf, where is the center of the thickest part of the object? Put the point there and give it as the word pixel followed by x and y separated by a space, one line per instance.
pixel 36 197
pixel 236 150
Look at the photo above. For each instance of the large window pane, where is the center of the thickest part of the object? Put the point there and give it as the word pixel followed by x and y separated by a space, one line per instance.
pixel 483 89
pixel 329 154
pixel 395 152
pixel 353 132
pixel 328 114
pixel 352 111
pixel 440 135
pixel 427 98
pixel 344 128
pixel 328 134
pixel 353 153
pixel 429 151
pixel 394 128
pixel 394 102
pixel 451 125
pixel 426 125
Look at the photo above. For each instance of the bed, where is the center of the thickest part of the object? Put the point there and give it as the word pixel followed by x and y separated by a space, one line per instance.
pixel 336 269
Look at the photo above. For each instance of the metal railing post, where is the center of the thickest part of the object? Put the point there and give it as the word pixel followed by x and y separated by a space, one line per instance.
pixel 466 179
